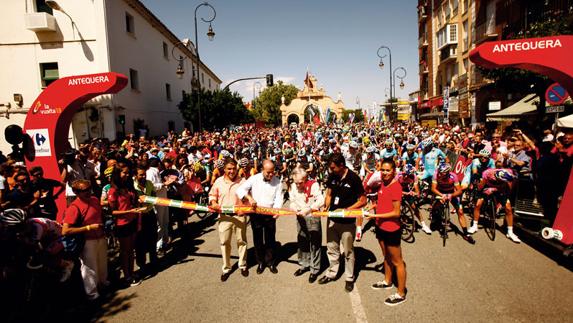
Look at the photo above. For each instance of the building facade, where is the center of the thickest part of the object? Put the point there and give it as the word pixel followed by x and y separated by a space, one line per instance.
pixel 95 36
pixel 448 30
pixel 311 105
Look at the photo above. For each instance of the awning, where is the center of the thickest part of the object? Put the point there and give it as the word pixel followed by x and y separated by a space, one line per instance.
pixel 525 107
pixel 565 122
pixel 432 115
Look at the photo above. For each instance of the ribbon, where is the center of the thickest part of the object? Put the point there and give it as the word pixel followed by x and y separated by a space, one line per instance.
pixel 249 209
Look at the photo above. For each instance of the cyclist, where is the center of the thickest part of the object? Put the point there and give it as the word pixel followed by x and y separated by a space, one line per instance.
pixel 389 152
pixel 43 236
pixel 481 163
pixel 446 185
pixel 410 156
pixel 498 182
pixel 430 157
pixel 410 188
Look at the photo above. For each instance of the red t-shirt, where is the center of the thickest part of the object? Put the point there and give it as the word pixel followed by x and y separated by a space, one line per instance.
pixel 387 195
pixel 124 202
pixel 90 214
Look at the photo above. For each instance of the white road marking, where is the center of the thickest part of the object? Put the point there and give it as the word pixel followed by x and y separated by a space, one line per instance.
pixel 357 308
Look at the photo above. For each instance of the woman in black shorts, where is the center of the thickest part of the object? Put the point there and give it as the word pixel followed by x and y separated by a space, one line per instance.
pixel 389 233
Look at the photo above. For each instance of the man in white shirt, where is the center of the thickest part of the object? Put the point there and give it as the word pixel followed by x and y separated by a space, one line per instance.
pixel 305 197
pixel 153 175
pixel 263 189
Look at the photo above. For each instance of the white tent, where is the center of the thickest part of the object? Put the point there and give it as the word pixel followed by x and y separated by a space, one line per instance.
pixel 526 107
pixel 565 122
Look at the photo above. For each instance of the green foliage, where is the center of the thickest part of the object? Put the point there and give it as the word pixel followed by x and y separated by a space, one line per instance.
pixel 358 115
pixel 267 105
pixel 219 109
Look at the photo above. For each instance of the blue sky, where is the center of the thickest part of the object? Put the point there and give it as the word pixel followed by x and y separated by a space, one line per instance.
pixel 336 40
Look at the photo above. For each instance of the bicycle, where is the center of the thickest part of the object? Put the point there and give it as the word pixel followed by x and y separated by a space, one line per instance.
pixel 203 200
pixel 407 218
pixel 489 212
pixel 444 211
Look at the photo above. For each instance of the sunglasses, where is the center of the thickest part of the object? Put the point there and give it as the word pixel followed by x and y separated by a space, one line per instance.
pixel 88 189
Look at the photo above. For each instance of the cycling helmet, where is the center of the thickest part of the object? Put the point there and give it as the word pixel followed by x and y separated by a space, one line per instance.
pixel 225 153
pixel 485 153
pixel 288 152
pixel 409 169
pixel 197 166
pixel 427 142
pixel 370 149
pixel 219 163
pixel 108 171
pixel 505 175
pixel 13 217
pixel 301 153
pixel 353 144
pixel 388 142
pixel 398 135
pixel 207 157
pixel 410 147
pixel 243 162
pixel 277 151
pixel 444 168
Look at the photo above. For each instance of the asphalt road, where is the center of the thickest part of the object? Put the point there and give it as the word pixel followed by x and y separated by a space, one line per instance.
pixel 493 281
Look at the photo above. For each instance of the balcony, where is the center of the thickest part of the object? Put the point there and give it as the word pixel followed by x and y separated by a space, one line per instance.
pixel 422 13
pixel 40 21
pixel 448 53
pixel 424 68
pixel 423 41
pixel 485 32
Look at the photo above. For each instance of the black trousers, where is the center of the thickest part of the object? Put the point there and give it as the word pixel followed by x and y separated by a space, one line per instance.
pixel 264 229
pixel 146 238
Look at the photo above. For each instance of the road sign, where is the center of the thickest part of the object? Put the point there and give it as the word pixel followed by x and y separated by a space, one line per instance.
pixel 555 109
pixel 556 94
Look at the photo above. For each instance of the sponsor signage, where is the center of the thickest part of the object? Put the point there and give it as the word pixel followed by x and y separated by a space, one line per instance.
pixel 41 139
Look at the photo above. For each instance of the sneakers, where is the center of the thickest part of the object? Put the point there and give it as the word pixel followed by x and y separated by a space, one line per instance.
pixel 358 234
pixel 473 229
pixel 511 236
pixel 67 270
pixel 426 228
pixel 135 281
pixel 395 299
pixel 349 286
pixel 381 285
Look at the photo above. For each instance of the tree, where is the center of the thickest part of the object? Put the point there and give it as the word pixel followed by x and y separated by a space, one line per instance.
pixel 219 109
pixel 267 105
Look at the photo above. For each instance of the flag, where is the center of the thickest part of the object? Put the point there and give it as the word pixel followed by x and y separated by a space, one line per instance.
pixel 351 117
pixel 327 118
pixel 322 115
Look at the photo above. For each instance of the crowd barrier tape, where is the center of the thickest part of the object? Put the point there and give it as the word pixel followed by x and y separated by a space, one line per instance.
pixel 249 209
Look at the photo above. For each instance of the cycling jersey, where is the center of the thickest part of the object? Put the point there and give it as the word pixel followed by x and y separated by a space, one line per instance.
pixel 430 161
pixel 446 184
pixel 479 167
pixel 492 182
pixel 406 181
pixel 387 154
pixel 410 159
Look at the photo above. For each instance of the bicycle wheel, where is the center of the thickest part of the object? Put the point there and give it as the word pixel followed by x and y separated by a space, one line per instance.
pixel 202 201
pixel 490 214
pixel 445 222
pixel 408 222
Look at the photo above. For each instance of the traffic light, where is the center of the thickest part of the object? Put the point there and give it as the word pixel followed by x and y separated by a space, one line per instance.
pixel 269 80
pixel 121 119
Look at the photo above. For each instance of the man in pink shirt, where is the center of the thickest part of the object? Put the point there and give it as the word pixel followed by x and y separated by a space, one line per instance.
pixel 223 193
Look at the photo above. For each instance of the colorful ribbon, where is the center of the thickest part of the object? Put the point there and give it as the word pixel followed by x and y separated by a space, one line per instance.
pixel 249 209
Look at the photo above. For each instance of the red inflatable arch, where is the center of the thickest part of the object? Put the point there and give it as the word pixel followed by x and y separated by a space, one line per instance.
pixel 49 118
pixel 549 56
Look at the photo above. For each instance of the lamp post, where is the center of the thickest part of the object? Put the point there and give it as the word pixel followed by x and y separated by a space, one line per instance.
pixel 394 75
pixel 256 88
pixel 381 65
pixel 180 71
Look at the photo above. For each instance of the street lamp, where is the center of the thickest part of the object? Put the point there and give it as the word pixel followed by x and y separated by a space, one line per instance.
pixel 256 86
pixel 398 69
pixel 180 70
pixel 381 65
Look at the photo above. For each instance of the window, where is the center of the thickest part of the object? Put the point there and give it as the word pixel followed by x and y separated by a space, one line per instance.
pixel 165 51
pixel 209 83
pixel 134 79
pixel 447 35
pixel 453 33
pixel 129 25
pixel 168 91
pixel 49 73
pixel 41 6
pixel 466 35
pixel 203 78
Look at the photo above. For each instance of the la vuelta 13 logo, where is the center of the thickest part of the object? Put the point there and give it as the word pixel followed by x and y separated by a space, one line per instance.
pixel 36 107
